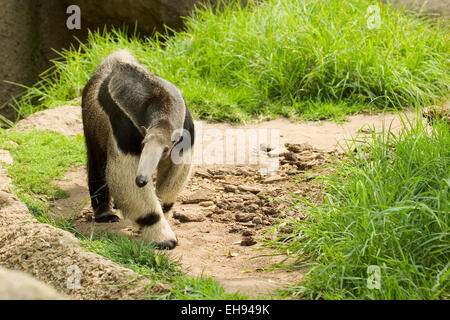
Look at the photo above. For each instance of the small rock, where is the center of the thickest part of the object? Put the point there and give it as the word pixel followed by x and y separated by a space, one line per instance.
pixel 244 171
pixel 235 229
pixel 244 217
pixel 247 233
pixel 189 216
pixel 297 148
pixel 5 199
pixel 230 188
pixel 250 197
pixel 206 203
pixel 253 207
pixel 437 112
pixel 275 178
pixel 248 241
pixel 270 211
pixel 257 220
pixel 251 189
pixel 219 211
pixel 198 196
pixel 279 152
pixel 203 174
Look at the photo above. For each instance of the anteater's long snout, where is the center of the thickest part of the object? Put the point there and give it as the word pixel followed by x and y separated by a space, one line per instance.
pixel 150 156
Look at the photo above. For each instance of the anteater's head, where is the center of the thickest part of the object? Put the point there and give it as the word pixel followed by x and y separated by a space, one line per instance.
pixel 156 146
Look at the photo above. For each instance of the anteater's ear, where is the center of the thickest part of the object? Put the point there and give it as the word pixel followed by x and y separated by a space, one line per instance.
pixel 143 130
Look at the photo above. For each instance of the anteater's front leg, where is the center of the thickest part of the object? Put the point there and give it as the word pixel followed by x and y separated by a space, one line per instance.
pixel 98 187
pixel 139 204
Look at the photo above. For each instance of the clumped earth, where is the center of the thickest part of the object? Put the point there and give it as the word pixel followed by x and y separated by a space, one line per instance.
pixel 221 218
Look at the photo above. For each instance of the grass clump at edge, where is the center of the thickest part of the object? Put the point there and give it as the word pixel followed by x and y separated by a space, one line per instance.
pixel 40 157
pixel 309 59
pixel 386 206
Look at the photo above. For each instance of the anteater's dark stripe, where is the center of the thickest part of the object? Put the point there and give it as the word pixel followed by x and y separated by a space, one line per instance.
pixel 128 137
pixel 148 220
pixel 166 207
pixel 188 125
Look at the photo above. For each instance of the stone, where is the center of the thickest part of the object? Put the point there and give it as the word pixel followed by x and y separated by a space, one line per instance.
pixel 257 220
pixel 198 196
pixel 273 179
pixel 247 233
pixel 248 241
pixel 230 188
pixel 206 203
pixel 189 216
pixel 244 217
pixel 279 152
pixel 251 189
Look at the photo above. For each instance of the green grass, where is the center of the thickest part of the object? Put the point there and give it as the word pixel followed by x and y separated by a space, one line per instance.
pixel 310 59
pixel 142 258
pixel 40 157
pixel 386 206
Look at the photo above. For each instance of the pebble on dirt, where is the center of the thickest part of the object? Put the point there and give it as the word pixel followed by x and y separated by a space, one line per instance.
pixel 244 217
pixel 198 196
pixel 206 203
pixel 230 188
pixel 248 241
pixel 273 179
pixel 189 216
pixel 251 189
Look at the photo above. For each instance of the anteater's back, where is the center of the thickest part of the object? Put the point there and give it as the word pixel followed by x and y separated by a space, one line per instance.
pixel 96 125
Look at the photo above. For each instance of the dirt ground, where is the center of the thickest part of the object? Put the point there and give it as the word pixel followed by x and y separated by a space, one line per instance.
pixel 227 210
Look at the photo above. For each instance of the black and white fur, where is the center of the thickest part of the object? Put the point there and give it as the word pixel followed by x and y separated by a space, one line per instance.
pixel 131 120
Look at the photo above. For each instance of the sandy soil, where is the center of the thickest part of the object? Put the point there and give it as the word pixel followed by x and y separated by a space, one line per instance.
pixel 221 218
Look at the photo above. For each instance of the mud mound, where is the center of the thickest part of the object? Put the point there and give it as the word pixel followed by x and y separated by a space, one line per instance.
pixel 65 120
pixel 16 285
pixel 55 257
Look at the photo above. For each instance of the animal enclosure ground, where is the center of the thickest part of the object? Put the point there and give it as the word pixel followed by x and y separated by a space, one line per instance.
pixel 226 212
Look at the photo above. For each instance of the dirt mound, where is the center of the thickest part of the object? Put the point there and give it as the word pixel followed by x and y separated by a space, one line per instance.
pixel 65 120
pixel 55 257
pixel 16 285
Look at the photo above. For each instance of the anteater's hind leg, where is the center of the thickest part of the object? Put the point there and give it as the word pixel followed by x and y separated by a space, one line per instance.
pixel 171 179
pixel 98 188
pixel 138 204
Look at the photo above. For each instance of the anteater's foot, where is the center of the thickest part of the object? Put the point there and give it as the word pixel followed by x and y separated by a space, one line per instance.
pixel 166 245
pixel 106 216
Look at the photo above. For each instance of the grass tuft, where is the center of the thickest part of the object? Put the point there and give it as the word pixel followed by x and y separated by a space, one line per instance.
pixel 386 206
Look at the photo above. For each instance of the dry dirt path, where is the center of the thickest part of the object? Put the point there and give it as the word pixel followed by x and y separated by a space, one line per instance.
pixel 226 210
